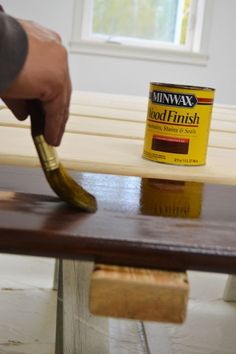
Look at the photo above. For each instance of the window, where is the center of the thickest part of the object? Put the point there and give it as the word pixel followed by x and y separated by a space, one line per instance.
pixel 147 29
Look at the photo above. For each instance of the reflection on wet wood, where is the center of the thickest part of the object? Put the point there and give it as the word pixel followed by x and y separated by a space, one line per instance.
pixel 167 227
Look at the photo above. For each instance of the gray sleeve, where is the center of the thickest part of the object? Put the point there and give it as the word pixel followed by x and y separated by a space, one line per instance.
pixel 13 49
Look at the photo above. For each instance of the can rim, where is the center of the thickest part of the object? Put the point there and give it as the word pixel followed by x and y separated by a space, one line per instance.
pixel 183 86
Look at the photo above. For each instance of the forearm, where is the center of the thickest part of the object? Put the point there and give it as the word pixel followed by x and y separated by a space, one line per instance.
pixel 13 50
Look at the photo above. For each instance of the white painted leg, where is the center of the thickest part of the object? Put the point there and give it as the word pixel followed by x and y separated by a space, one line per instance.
pixel 59 323
pixel 56 275
pixel 127 337
pixel 230 289
pixel 78 332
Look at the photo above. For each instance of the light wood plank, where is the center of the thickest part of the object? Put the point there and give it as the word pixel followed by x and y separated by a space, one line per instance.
pixel 224 116
pixel 124 157
pixel 109 100
pixel 141 294
pixel 222 140
pixel 128 129
pixel 128 101
pixel 115 155
pixel 88 125
pixel 109 125
pixel 134 103
pixel 103 112
pixel 106 127
pixel 223 126
pixel 134 115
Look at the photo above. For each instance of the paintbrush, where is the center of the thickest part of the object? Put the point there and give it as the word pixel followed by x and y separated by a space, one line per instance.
pixel 58 178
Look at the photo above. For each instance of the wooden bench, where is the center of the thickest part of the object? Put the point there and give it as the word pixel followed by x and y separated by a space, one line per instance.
pixel 104 141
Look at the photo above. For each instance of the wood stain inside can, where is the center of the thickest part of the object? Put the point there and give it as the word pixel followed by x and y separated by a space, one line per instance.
pixel 178 124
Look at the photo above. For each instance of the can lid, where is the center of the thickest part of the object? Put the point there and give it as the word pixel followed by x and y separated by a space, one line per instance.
pixel 190 87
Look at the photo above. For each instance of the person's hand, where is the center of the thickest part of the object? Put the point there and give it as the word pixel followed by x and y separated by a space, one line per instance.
pixel 44 76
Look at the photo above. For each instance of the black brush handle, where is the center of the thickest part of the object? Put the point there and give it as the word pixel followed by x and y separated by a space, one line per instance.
pixel 37 117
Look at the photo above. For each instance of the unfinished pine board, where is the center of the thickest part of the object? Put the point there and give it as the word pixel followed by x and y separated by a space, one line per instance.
pixel 136 293
pixel 108 126
pixel 136 103
pixel 225 117
pixel 113 143
pixel 219 116
pixel 224 126
pixel 108 100
pixel 87 125
pixel 134 115
pixel 128 102
pixel 224 140
pixel 124 156
pixel 116 156
pixel 109 113
pixel 128 114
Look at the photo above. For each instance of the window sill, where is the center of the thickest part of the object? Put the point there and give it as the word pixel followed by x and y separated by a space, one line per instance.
pixel 133 52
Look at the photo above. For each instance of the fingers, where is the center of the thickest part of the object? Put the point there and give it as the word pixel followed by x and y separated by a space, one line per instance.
pixel 56 114
pixel 40 32
pixel 18 107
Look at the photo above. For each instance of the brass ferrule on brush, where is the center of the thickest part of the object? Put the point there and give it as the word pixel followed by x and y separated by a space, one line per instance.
pixel 46 153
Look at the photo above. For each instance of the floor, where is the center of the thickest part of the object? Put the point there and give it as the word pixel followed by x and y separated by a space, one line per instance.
pixel 27 305
pixel 28 313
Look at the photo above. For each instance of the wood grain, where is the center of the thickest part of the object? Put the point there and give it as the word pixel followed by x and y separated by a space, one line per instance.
pixel 135 293
pixel 132 227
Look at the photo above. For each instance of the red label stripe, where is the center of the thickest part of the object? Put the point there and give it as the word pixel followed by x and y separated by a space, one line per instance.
pixel 205 101
pixel 168 138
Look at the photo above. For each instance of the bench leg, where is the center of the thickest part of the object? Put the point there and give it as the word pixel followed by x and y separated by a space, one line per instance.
pixel 59 323
pixel 56 275
pixel 78 332
pixel 230 289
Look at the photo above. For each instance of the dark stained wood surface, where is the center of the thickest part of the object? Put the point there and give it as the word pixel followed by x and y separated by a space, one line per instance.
pixel 139 222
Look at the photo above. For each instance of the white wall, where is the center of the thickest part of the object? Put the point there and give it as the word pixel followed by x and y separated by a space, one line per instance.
pixel 126 76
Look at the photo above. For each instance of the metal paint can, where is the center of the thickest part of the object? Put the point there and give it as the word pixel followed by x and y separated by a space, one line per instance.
pixel 178 124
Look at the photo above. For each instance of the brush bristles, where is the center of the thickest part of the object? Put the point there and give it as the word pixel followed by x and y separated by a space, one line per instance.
pixel 69 191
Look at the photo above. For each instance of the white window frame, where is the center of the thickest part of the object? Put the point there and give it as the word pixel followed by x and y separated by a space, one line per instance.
pixel 196 53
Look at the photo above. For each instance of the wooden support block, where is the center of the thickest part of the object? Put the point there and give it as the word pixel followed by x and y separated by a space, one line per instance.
pixel 141 294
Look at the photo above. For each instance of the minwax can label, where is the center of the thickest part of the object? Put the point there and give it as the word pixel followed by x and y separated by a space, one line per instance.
pixel 178 124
